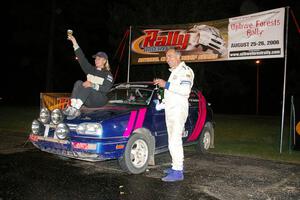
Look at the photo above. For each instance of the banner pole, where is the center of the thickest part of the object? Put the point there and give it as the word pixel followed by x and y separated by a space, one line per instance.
pixel 284 77
pixel 129 48
pixel 292 125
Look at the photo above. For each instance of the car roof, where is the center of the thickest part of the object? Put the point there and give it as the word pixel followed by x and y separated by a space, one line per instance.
pixel 140 84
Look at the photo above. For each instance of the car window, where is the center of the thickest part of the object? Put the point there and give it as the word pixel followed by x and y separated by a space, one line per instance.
pixel 138 96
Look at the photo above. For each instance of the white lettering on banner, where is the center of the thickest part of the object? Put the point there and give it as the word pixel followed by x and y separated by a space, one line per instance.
pixel 252 53
pixel 253 35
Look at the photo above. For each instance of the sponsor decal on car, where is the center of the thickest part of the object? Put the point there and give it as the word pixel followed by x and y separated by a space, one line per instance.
pixel 86 146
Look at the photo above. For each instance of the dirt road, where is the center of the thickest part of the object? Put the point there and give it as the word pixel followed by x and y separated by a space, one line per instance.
pixel 27 173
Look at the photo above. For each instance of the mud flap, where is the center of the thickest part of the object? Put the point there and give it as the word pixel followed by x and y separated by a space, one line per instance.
pixel 152 150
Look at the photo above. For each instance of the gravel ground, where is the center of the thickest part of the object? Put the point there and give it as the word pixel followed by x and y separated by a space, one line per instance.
pixel 27 173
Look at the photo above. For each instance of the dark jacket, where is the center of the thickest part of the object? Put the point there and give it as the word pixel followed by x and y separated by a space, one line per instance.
pixel 96 97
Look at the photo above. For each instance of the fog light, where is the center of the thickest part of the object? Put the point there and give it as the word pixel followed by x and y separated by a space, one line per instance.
pixel 44 115
pixel 56 116
pixel 62 131
pixel 35 126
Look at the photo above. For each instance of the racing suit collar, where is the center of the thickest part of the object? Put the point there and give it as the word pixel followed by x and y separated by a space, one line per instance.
pixel 181 64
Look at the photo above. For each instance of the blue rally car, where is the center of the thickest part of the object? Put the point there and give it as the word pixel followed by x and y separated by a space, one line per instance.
pixel 130 128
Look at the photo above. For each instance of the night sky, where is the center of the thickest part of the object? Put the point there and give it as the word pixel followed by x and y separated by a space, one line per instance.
pixel 39 58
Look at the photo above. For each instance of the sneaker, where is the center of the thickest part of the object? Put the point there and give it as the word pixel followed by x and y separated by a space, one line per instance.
pixel 174 175
pixel 68 110
pixel 169 170
pixel 73 113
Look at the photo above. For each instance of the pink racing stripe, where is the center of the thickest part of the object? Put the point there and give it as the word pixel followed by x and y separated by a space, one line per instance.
pixel 141 118
pixel 201 118
pixel 130 124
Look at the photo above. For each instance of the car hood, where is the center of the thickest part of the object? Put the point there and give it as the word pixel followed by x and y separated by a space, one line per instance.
pixel 107 111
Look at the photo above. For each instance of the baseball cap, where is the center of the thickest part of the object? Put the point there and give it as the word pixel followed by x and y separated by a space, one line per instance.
pixel 101 54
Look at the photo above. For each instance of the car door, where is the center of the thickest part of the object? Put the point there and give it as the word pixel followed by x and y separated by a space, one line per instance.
pixel 159 128
pixel 192 116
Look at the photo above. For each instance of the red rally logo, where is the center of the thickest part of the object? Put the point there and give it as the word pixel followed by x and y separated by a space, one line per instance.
pixel 156 40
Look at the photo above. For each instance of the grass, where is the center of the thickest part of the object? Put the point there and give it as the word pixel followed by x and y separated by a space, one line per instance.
pixel 240 135
pixel 17 118
pixel 253 136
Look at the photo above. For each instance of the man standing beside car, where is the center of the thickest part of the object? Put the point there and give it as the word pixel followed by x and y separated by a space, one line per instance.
pixel 176 94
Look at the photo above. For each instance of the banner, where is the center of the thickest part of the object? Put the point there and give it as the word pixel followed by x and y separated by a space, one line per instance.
pixel 255 36
pixel 53 101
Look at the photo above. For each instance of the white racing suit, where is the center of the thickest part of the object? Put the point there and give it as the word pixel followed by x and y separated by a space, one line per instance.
pixel 176 96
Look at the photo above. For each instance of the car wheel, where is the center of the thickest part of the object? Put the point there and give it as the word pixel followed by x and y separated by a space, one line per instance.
pixel 136 155
pixel 205 139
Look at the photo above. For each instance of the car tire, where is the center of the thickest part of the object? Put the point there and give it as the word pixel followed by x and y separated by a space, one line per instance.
pixel 137 154
pixel 205 139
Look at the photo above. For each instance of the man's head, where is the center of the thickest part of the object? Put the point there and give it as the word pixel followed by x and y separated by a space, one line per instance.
pixel 173 58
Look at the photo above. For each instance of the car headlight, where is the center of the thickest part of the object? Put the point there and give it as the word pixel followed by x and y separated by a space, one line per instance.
pixel 62 131
pixel 35 126
pixel 56 116
pixel 89 129
pixel 44 115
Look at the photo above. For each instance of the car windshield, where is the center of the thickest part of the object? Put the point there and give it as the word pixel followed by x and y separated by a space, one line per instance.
pixel 138 96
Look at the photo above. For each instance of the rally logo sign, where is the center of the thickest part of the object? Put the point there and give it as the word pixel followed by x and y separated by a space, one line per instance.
pixel 157 40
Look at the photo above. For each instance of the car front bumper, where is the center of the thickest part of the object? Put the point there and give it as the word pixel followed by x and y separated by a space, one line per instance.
pixel 82 150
